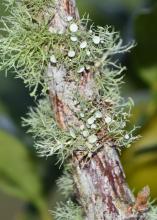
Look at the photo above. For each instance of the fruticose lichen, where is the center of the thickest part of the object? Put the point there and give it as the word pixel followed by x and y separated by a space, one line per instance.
pixel 27 47
pixel 68 211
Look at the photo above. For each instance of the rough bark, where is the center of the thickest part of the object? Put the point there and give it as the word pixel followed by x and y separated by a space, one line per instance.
pixel 102 189
pixel 99 179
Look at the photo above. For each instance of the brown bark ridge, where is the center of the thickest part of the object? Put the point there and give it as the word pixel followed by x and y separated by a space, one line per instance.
pixel 99 179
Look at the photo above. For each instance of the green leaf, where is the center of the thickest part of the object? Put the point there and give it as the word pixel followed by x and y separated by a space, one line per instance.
pixel 18 174
pixel 140 161
pixel 149 75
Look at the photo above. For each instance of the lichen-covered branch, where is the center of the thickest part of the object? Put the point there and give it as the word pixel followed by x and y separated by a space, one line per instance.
pixel 99 179
pixel 82 118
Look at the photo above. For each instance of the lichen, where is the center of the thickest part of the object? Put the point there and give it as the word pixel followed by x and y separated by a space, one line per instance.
pixel 68 211
pixel 36 53
pixel 66 184
pixel 152 213
pixel 28 46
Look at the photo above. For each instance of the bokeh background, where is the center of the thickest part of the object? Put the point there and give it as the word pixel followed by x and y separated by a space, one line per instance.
pixel 27 183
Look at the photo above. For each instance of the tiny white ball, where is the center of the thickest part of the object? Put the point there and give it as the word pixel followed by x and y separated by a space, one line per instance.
pixel 69 18
pixel 126 136
pixel 88 53
pixel 85 133
pixel 74 39
pixel 82 115
pixel 92 139
pixel 83 45
pixel 73 27
pixel 98 114
pixel 108 119
pixel 93 126
pixel 71 53
pixel 96 39
pixel 53 59
pixel 82 69
pixel 90 155
pixel 91 120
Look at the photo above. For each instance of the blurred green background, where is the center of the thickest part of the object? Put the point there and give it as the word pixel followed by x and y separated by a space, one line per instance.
pixel 27 183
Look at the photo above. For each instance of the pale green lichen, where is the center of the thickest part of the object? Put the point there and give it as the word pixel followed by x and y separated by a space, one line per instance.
pixel 28 46
pixel 24 46
pixel 49 139
pixel 68 211
pixel 34 7
pixel 152 213
pixel 66 184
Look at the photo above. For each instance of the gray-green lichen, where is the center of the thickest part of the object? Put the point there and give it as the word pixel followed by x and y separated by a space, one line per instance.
pixel 49 139
pixel 28 45
pixel 66 184
pixel 24 46
pixel 152 213
pixel 68 211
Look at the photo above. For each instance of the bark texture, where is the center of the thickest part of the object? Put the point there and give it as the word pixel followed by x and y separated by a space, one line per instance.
pixel 99 179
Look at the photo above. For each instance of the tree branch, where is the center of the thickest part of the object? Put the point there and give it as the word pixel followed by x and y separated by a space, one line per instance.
pixel 99 178
pixel 87 117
